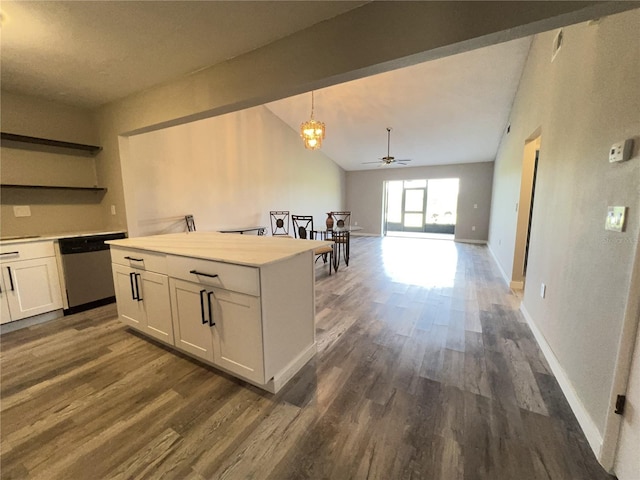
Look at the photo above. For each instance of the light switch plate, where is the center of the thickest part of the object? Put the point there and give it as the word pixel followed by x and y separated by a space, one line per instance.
pixel 615 219
pixel 22 210
pixel 621 151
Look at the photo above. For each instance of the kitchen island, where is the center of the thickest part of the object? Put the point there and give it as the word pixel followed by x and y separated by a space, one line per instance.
pixel 244 304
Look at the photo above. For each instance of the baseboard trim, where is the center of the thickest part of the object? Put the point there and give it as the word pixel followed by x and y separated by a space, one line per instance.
pixel 507 280
pixel 283 376
pixel 516 285
pixel 359 234
pixel 469 240
pixel 591 432
pixel 30 321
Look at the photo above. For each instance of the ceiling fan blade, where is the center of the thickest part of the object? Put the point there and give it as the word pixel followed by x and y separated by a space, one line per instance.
pixel 364 163
pixel 403 160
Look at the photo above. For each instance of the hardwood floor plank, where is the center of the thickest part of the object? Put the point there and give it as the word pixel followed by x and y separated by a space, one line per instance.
pixel 425 369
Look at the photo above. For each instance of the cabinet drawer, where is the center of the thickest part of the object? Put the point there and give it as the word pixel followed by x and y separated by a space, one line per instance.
pixel 237 278
pixel 26 251
pixel 141 259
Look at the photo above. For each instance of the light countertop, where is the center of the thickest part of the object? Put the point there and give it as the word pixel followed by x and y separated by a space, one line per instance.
pixel 251 250
pixel 53 236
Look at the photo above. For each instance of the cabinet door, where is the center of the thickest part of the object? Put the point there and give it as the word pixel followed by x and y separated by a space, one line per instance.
pixel 33 287
pixel 237 334
pixel 154 292
pixel 5 316
pixel 190 318
pixel 130 310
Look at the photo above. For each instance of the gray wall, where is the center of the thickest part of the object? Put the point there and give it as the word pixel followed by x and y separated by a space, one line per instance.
pixel 365 195
pixel 582 102
pixel 353 46
pixel 52 211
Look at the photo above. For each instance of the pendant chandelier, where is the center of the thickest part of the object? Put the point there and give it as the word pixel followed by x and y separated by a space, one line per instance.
pixel 312 131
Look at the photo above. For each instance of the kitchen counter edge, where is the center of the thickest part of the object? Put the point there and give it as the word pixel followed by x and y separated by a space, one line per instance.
pixel 190 244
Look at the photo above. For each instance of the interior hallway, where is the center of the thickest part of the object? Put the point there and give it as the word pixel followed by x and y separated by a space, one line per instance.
pixel 425 369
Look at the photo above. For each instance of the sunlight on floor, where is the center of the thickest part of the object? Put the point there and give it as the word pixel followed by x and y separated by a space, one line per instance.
pixel 432 236
pixel 422 262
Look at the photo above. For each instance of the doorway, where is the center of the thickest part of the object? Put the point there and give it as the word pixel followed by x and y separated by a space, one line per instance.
pixel 421 208
pixel 530 159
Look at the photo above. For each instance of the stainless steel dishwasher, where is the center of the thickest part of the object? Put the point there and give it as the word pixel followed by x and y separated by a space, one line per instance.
pixel 86 263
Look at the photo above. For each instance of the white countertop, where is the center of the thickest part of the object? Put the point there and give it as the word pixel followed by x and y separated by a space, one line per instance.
pixel 252 250
pixel 54 236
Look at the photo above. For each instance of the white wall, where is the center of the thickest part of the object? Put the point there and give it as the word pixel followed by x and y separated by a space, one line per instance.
pixel 584 101
pixel 365 195
pixel 228 171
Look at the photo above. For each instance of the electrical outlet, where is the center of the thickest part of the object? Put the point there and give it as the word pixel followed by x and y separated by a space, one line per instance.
pixel 473 229
pixel 475 205
pixel 113 209
pixel 543 290
pixel 22 210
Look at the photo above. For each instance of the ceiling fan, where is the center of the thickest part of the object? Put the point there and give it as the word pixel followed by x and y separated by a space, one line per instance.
pixel 388 160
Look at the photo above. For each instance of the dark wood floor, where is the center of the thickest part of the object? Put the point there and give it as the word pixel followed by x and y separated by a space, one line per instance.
pixel 425 370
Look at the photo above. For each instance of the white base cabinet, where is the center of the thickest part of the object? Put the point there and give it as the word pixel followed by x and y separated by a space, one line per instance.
pixel 30 282
pixel 219 326
pixel 143 301
pixel 254 322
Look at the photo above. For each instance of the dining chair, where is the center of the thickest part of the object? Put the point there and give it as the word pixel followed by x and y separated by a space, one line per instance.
pixel 191 223
pixel 303 229
pixel 341 219
pixel 279 222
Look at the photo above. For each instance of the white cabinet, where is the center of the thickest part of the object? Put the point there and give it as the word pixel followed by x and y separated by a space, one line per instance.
pixel 190 309
pixel 219 326
pixel 5 316
pixel 30 280
pixel 143 301
pixel 237 334
pixel 244 305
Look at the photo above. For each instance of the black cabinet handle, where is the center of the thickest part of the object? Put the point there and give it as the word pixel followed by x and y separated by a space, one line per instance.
pixel 204 320
pixel 211 322
pixel 138 286
pixel 10 253
pixel 133 292
pixel 10 278
pixel 134 259
pixel 195 272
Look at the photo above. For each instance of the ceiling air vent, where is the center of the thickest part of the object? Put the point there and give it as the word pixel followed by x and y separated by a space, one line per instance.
pixel 557 44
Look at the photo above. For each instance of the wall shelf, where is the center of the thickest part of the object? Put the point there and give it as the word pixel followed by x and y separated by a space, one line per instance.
pixel 54 187
pixel 24 141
